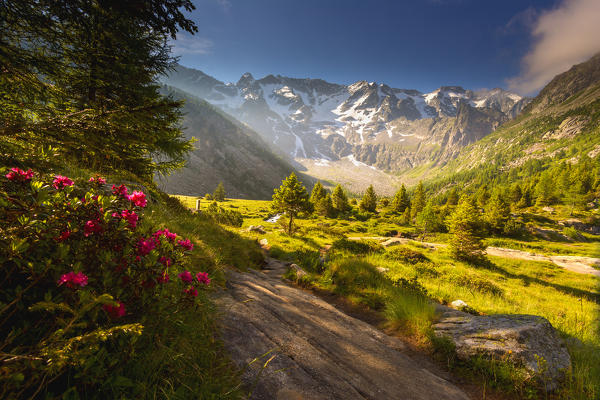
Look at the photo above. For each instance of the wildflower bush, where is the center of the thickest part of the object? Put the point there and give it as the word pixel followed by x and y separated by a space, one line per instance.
pixel 79 275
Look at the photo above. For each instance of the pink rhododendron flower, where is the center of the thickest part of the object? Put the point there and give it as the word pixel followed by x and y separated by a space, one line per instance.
pixel 97 180
pixel 186 244
pixel 202 277
pixel 91 227
pixel 119 190
pixel 73 279
pixel 163 278
pixel 64 236
pixel 145 246
pixel 138 198
pixel 186 276
pixel 192 291
pixel 131 217
pixel 165 261
pixel 165 232
pixel 61 182
pixel 18 175
pixel 115 311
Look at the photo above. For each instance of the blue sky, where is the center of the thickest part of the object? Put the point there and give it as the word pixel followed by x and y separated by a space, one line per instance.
pixel 419 44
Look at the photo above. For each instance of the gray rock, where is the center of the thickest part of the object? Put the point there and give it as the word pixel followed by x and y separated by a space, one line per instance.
pixel 290 344
pixel 527 341
pixel 257 228
pixel 299 271
pixel 458 304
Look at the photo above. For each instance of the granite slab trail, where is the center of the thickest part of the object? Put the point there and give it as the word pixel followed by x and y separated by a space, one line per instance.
pixel 291 344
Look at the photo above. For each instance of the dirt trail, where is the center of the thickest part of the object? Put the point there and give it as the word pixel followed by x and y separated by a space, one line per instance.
pixel 311 350
pixel 579 264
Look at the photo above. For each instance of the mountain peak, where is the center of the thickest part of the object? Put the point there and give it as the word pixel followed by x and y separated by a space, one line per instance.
pixel 246 79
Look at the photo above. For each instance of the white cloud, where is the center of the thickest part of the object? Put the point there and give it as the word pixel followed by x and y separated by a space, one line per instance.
pixel 188 44
pixel 564 36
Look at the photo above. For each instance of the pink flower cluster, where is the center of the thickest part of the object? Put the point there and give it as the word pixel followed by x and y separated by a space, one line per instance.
pixel 115 311
pixel 145 246
pixel 73 279
pixel 61 182
pixel 171 236
pixel 97 180
pixel 63 236
pixel 138 199
pixel 91 227
pixel 186 244
pixel 120 190
pixel 18 175
pixel 130 216
pixel 201 277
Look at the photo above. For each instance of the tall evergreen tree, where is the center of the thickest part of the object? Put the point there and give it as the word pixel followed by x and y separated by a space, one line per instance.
pixel 219 194
pixel 464 225
pixel 291 198
pixel 318 192
pixel 545 189
pixel 91 72
pixel 401 200
pixel 340 200
pixel 453 197
pixel 428 220
pixel 418 200
pixel 369 200
pixel 497 214
pixel 324 206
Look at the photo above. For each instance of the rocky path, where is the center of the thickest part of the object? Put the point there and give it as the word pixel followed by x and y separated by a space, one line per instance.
pixel 579 264
pixel 294 345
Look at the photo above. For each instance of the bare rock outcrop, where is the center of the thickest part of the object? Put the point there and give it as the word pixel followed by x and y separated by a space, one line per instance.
pixel 291 344
pixel 527 341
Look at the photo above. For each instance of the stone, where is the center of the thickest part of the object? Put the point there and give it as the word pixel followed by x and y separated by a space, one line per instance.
pixel 527 341
pixel 382 270
pixel 257 228
pixel 263 242
pixel 458 304
pixel 299 271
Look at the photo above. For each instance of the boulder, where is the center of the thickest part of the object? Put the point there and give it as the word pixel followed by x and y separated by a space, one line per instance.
pixel 458 304
pixel 298 270
pixel 257 228
pixel 263 242
pixel 527 341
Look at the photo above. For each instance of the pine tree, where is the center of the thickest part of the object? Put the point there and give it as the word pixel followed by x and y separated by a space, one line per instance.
pixel 324 206
pixel 401 200
pixel 318 192
pixel 418 202
pixel 90 69
pixel 428 220
pixel 545 189
pixel 339 200
pixel 497 214
pixel 369 200
pixel 526 199
pixel 452 197
pixel 219 194
pixel 464 224
pixel 515 194
pixel 291 198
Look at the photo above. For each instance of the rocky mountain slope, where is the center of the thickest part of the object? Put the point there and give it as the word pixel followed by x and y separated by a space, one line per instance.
pixel 225 151
pixel 562 124
pixel 366 124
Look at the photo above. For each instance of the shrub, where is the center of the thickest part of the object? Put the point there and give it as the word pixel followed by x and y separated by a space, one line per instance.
pixel 79 277
pixel 224 216
pixel 357 247
pixel 401 253
pixel 573 233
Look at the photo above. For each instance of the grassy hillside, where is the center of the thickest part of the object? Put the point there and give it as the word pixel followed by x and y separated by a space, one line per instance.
pixel 504 285
pixel 225 151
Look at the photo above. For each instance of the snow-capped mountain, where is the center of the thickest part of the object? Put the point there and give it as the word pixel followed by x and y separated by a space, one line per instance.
pixel 368 123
